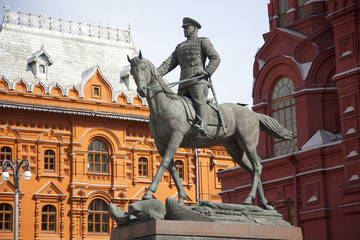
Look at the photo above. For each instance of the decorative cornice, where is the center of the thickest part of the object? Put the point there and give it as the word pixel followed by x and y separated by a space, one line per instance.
pixel 76 112
pixel 33 21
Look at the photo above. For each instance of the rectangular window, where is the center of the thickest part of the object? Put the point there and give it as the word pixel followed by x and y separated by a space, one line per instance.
pixel 283 8
pixel 49 161
pixel 143 167
pixel 96 91
pixel 301 8
pixel 291 212
pixel 5 154
pixel 5 217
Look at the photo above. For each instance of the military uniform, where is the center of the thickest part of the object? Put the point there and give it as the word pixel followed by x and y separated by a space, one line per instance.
pixel 191 55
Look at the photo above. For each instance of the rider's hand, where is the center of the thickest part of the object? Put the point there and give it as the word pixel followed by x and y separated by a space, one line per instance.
pixel 203 73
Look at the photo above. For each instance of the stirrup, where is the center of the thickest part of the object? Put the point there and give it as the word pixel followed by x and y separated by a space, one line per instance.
pixel 201 128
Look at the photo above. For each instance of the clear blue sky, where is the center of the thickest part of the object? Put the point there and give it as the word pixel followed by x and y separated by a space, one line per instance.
pixel 235 28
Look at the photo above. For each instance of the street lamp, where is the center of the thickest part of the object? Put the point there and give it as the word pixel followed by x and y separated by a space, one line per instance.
pixel 15 166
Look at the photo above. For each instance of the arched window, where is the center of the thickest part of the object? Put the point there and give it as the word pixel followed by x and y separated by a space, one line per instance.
pixel 143 167
pixel 5 217
pixel 98 219
pixel 5 154
pixel 41 68
pixel 283 108
pixel 49 160
pixel 48 219
pixel 180 168
pixel 98 157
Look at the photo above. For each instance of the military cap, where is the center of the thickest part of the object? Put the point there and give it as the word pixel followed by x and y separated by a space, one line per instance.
pixel 188 21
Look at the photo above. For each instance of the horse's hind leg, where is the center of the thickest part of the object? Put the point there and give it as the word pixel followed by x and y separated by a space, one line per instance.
pixel 262 199
pixel 257 185
pixel 256 172
pixel 253 167
pixel 237 154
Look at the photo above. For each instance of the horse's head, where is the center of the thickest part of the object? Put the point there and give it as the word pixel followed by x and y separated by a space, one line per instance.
pixel 141 72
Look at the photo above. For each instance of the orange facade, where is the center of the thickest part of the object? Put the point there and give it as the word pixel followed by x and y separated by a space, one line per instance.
pixel 86 149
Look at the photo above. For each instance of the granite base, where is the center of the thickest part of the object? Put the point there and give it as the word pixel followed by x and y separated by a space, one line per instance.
pixel 179 230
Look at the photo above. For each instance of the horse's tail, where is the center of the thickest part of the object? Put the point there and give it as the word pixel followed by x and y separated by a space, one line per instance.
pixel 273 128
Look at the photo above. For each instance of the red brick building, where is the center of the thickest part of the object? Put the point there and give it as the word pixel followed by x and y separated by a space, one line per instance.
pixel 307 75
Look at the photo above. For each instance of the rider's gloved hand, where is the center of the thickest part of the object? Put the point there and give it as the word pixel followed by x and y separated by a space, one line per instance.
pixel 203 73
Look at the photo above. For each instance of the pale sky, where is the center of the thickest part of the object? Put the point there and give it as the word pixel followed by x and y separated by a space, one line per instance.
pixel 235 27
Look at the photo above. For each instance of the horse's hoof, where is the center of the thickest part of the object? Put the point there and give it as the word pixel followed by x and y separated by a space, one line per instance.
pixel 147 195
pixel 247 201
pixel 180 201
pixel 268 207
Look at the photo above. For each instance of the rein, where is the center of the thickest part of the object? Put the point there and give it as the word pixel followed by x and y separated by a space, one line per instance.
pixel 176 83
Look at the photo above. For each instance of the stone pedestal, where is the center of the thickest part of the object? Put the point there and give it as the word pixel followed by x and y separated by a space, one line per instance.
pixel 173 230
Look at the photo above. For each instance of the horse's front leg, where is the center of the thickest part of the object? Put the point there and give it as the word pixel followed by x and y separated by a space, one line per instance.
pixel 172 147
pixel 177 180
pixel 174 173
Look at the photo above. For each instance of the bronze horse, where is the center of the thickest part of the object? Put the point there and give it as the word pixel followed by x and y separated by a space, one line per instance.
pixel 171 129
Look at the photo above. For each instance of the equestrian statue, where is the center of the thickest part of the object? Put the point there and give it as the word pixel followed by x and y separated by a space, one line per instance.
pixel 188 120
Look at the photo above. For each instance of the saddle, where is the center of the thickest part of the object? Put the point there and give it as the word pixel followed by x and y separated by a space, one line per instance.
pixel 213 123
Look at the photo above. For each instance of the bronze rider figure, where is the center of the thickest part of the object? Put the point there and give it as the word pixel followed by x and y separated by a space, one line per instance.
pixel 191 55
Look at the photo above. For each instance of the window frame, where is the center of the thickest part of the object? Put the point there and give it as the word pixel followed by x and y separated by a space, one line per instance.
pixel 101 212
pixel 3 213
pixel 93 153
pixel 143 166
pixel 96 91
pixel 301 9
pixel 279 112
pixel 48 157
pixel 5 155
pixel 291 212
pixel 42 68
pixel 47 214
pixel 182 167
pixel 283 8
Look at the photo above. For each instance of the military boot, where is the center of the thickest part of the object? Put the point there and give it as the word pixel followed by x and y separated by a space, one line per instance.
pixel 200 125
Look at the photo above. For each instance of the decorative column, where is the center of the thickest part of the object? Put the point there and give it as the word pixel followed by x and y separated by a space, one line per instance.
pixel 37 219
pixel 72 232
pixel 62 218
pixel 83 219
pixel 61 162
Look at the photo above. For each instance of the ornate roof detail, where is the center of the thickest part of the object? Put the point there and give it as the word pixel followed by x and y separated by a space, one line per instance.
pixel 35 56
pixel 67 27
pixel 73 52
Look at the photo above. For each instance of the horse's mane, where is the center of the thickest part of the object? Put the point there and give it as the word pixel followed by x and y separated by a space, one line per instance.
pixel 167 90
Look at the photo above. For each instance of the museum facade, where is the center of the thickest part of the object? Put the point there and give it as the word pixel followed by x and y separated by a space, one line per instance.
pixel 69 105
pixel 307 76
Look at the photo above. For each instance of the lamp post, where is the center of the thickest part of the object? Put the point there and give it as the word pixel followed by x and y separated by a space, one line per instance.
pixel 16 167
